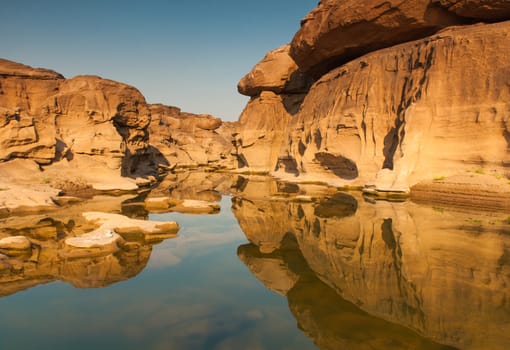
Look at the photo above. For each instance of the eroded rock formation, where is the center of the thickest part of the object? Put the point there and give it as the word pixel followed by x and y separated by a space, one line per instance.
pixel 89 133
pixel 386 112
pixel 402 115
pixel 47 118
pixel 276 87
pixel 186 140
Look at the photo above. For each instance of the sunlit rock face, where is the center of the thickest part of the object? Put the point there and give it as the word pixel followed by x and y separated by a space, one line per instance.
pixel 48 118
pixel 26 128
pixel 276 86
pixel 336 32
pixel 399 88
pixel 186 140
pixel 440 272
pixel 276 72
pixel 401 115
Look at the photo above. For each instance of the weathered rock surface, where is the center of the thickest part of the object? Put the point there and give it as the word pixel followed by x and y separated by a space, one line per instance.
pixel 479 9
pixel 277 88
pixel 386 117
pixel 276 72
pixel 185 140
pixel 261 130
pixel 402 115
pixel 107 238
pixel 104 119
pixel 47 118
pixel 74 134
pixel 338 31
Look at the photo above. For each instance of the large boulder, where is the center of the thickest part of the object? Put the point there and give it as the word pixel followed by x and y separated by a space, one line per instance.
pixel 338 31
pixel 101 118
pixel 276 72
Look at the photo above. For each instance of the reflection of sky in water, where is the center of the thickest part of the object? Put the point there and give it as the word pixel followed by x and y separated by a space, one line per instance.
pixel 194 294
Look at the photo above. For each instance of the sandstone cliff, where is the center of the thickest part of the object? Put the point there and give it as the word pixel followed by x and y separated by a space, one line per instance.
pixel 276 87
pixel 186 140
pixel 386 112
pixel 92 129
pixel 88 132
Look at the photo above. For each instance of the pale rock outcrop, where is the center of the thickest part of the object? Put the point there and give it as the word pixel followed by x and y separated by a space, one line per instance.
pixel 107 238
pixel 402 115
pixel 260 132
pixel 101 118
pixel 186 140
pixel 335 31
pixel 26 128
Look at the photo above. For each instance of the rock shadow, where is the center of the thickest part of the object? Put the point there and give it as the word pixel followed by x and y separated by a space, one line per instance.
pixel 341 166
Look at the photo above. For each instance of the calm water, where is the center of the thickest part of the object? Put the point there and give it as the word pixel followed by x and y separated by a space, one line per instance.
pixel 272 271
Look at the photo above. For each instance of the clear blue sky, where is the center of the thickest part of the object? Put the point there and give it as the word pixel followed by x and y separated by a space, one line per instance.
pixel 186 53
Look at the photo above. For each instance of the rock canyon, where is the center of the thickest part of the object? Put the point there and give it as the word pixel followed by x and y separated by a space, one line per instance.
pixel 387 96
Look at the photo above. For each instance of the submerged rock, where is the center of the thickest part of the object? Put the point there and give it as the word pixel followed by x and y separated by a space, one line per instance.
pixel 187 206
pixel 108 238
pixel 15 245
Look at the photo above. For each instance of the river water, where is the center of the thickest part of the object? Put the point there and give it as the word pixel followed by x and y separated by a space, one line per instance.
pixel 279 267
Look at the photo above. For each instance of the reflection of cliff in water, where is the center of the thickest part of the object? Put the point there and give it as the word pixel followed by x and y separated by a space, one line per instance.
pixel 442 273
pixel 324 316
